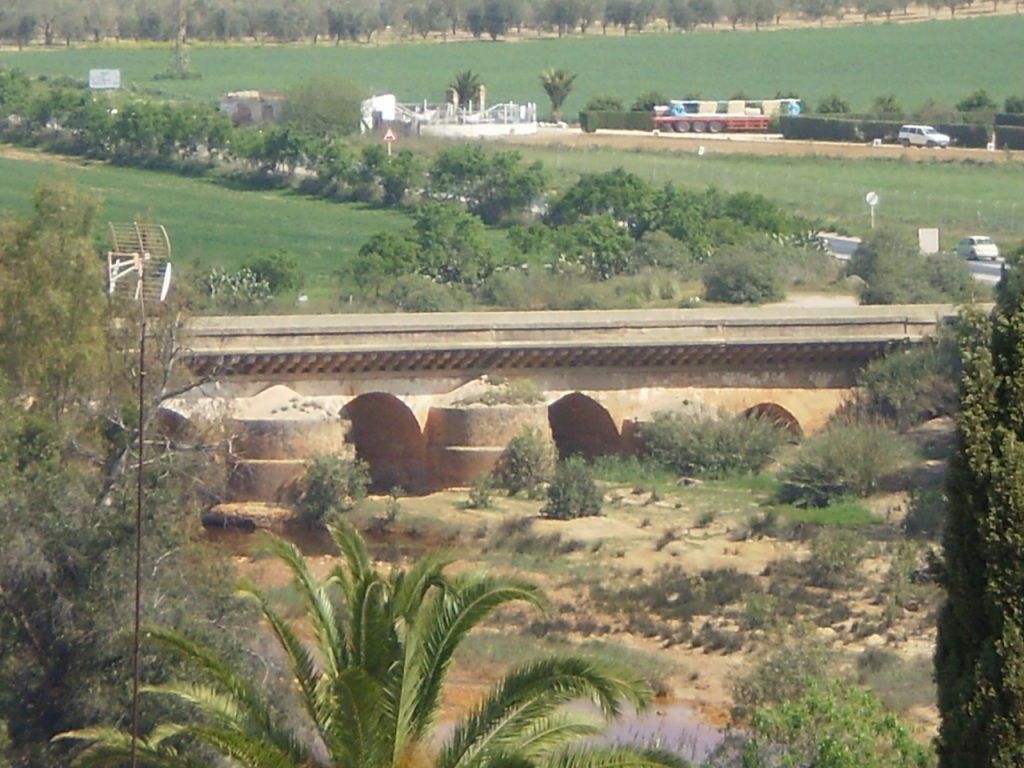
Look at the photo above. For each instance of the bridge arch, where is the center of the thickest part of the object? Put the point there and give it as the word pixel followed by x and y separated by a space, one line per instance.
pixel 580 425
pixel 387 436
pixel 778 415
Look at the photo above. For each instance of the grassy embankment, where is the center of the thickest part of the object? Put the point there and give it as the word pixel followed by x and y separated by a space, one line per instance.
pixel 942 60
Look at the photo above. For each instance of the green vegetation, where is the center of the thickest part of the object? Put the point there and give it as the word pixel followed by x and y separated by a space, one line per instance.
pixel 850 61
pixel 981 636
pixel 330 484
pixel 573 492
pixel 896 272
pixel 709 446
pixel 528 463
pixel 214 225
pixel 385 647
pixel 847 459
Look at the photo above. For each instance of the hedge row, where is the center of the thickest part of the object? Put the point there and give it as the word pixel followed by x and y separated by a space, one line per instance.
pixel 1010 136
pixel 860 129
pixel 1008 118
pixel 590 121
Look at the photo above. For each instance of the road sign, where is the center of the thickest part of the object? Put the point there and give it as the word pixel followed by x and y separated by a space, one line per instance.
pixel 871 198
pixel 389 135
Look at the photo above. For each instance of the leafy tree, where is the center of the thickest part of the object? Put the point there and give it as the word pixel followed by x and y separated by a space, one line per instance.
pixel 831 725
pixel 557 84
pixel 494 185
pixel 981 631
pixel 622 195
pixel 325 105
pixel 1014 105
pixel 977 101
pixel 383 646
pixel 598 244
pixel 832 105
pixel 563 15
pixel 51 298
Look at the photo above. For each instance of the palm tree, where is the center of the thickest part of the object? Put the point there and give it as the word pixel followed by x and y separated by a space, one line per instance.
pixel 369 683
pixel 557 84
pixel 467 85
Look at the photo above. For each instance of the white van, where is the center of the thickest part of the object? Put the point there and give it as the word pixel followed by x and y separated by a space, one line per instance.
pixel 922 136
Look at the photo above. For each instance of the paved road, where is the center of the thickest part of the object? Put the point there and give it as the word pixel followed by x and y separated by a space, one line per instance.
pixel 983 271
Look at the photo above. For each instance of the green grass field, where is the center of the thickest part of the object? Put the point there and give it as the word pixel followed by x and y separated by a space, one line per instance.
pixel 211 224
pixel 942 60
pixel 955 196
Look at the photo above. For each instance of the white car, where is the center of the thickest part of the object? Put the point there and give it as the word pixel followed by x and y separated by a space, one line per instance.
pixel 977 247
pixel 921 136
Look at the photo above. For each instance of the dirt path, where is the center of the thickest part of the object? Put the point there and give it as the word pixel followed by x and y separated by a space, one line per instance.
pixel 748 144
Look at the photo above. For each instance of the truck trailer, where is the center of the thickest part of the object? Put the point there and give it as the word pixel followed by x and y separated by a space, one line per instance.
pixel 701 116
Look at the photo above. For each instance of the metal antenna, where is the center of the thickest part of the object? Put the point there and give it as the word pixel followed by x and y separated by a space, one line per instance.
pixel 139 262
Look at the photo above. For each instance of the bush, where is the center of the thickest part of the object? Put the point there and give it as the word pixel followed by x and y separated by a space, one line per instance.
pixel 1009 137
pixel 573 493
pixel 832 105
pixel 835 555
pixel 621 121
pixel 805 127
pixel 847 459
pixel 280 271
pixel 480 492
pixel 771 680
pixel 604 104
pixel 926 513
pixel 910 386
pixel 526 464
pixel 742 277
pixel 648 100
pixel 331 484
pixel 978 101
pixel 710 447
pixel 895 272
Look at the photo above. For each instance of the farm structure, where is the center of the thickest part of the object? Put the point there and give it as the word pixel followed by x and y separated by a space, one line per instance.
pixel 699 116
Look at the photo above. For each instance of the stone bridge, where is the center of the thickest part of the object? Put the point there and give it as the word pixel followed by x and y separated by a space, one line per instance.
pixel 410 393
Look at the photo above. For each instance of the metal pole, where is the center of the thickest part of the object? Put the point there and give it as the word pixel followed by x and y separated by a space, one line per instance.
pixel 136 642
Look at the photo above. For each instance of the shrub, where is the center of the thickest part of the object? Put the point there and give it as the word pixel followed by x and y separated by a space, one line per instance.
pixel 742 277
pixel 526 464
pixel 628 121
pixel 502 391
pixel 847 459
pixel 604 104
pixel 886 106
pixel 895 272
pixel 711 447
pixel 926 513
pixel 835 555
pixel 573 493
pixel 833 104
pixel 647 101
pixel 978 101
pixel 1014 105
pixel 910 386
pixel 331 484
pixel 480 492
pixel 280 271
pixel 771 679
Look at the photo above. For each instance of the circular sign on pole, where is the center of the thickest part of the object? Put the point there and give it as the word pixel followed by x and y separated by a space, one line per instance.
pixel 871 198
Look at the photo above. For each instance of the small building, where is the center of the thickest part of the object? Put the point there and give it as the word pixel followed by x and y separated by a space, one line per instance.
pixel 251 107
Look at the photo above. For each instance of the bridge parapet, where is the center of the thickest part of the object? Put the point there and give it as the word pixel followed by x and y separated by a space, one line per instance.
pixel 312 345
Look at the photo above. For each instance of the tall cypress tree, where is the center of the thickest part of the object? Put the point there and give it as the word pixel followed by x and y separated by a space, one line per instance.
pixel 979 659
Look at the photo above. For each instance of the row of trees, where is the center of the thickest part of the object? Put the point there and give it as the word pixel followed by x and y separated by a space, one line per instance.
pixel 52 22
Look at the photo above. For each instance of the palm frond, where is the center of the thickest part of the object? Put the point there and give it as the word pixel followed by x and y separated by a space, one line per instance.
pixel 534 691
pixel 303 665
pixel 442 622
pixel 617 757
pixel 111 748
pixel 545 734
pixel 316 599
pixel 232 685
pixel 360 732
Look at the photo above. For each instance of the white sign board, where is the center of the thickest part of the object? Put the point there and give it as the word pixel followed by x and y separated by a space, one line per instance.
pixel 100 79
pixel 928 239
